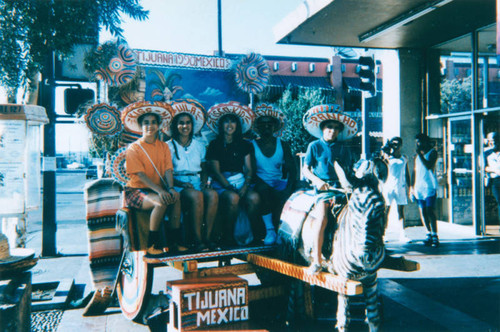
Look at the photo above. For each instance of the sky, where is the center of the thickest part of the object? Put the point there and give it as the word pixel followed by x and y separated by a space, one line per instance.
pixel 190 26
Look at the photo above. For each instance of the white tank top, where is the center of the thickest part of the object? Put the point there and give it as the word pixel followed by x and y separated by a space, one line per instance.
pixel 425 179
pixel 269 169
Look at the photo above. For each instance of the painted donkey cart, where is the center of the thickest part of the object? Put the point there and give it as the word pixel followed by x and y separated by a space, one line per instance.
pixel 353 254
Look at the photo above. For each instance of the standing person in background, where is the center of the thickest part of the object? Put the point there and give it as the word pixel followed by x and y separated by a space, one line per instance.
pixel 275 168
pixel 424 187
pixel 492 168
pixel 229 157
pixel 198 201
pixel 395 188
pixel 151 184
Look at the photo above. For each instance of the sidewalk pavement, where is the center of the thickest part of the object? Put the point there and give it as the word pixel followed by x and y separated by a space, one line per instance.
pixel 463 261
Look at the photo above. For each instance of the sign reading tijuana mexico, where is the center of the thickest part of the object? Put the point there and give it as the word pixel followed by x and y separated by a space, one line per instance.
pixel 206 302
pixel 158 58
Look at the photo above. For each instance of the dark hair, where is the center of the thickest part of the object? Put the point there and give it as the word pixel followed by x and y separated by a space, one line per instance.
pixel 325 122
pixel 396 139
pixel 238 134
pixel 174 131
pixel 142 116
pixel 423 138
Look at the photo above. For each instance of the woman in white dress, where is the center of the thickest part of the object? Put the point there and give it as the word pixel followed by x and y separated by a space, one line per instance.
pixel 395 188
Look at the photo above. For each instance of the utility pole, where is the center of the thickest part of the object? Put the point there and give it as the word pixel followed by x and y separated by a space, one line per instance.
pixel 49 226
pixel 219 26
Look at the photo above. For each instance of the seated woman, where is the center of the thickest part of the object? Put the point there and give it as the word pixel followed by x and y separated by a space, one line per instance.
pixel 199 202
pixel 275 168
pixel 149 166
pixel 230 160
pixel 323 122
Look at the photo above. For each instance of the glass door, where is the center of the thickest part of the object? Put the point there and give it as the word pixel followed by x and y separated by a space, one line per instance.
pixel 460 162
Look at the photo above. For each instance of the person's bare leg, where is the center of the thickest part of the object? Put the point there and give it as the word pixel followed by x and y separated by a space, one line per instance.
pixel 192 202
pixel 229 212
pixel 401 224
pixel 252 202
pixel 211 202
pixel 153 203
pixel 318 231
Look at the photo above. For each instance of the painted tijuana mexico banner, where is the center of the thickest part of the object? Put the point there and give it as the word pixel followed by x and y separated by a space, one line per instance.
pixel 157 58
pixel 209 80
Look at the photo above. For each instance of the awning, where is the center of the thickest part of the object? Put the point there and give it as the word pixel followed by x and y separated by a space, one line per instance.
pixel 352 84
pixel 389 24
pixel 303 81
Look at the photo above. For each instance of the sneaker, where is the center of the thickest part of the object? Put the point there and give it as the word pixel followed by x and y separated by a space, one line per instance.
pixel 435 241
pixel 270 237
pixel 154 252
pixel 178 249
pixel 314 269
pixel 428 240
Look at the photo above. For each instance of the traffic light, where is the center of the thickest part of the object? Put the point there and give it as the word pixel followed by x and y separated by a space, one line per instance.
pixel 73 98
pixel 367 74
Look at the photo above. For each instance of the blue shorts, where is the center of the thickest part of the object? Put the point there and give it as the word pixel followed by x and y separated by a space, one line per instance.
pixel 428 202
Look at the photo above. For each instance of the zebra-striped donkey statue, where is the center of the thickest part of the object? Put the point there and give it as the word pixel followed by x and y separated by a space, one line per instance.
pixel 353 246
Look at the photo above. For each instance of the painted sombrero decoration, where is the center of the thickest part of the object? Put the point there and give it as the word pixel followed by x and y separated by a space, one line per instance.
pixel 117 166
pixel 103 119
pixel 245 114
pixel 120 69
pixel 131 113
pixel 252 73
pixel 317 114
pixel 271 111
pixel 191 107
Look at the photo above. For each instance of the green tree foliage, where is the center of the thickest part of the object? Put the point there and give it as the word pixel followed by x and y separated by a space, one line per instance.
pixel 456 95
pixel 31 30
pixel 294 103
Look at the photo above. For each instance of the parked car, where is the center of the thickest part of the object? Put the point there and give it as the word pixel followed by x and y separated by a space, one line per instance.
pixel 75 165
pixel 91 172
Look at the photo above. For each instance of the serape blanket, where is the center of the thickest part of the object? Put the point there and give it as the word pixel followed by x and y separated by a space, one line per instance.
pixel 102 200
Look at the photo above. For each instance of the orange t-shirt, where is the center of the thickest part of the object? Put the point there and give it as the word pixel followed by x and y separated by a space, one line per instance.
pixel 136 161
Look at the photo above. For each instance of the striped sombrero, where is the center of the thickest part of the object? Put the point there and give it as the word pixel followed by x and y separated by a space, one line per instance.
pixel 317 114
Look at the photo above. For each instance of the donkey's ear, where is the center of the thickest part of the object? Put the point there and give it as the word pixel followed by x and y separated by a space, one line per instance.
pixel 344 182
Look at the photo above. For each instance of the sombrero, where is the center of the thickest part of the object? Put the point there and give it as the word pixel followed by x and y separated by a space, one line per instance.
pixel 317 114
pixel 132 112
pixel 10 256
pixel 244 113
pixel 191 107
pixel 269 110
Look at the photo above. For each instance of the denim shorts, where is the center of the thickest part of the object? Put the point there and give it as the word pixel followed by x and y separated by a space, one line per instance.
pixel 427 202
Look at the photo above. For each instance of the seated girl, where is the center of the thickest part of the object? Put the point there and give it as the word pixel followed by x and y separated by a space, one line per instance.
pixel 199 202
pixel 230 160
pixel 149 166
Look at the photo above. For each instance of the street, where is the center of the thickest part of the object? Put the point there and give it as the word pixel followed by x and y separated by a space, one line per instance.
pixel 456 289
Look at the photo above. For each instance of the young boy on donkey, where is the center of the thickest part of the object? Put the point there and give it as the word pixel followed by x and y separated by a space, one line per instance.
pixel 331 128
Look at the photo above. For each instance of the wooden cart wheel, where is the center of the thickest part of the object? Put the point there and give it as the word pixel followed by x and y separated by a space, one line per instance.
pixel 134 284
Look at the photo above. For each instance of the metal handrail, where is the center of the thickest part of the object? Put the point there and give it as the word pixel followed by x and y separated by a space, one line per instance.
pixel 459 114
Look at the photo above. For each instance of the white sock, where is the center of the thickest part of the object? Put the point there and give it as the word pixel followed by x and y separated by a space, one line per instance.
pixel 268 221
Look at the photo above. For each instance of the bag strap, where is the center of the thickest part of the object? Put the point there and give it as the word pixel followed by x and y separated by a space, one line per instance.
pixel 152 163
